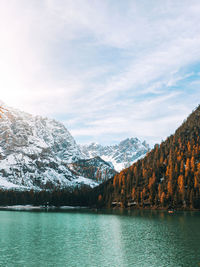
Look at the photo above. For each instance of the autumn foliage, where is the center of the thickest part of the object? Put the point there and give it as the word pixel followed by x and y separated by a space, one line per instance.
pixel 2 111
pixel 169 176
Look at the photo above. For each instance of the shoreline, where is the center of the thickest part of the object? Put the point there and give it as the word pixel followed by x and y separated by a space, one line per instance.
pixel 68 208
pixel 39 208
pixel 156 209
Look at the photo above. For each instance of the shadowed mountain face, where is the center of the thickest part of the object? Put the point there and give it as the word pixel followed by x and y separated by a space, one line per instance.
pixel 168 176
pixel 119 156
pixel 37 153
pixel 95 168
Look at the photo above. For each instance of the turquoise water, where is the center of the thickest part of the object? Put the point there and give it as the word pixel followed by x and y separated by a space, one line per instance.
pixel 81 238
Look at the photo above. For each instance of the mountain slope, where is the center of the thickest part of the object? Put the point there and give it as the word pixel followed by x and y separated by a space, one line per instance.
pixel 121 155
pixel 36 153
pixel 94 168
pixel 169 175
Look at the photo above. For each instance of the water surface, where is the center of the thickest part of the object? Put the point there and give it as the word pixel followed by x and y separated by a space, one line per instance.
pixel 83 238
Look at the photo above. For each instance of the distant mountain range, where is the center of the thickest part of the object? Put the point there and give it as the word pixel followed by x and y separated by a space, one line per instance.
pixel 40 153
pixel 119 156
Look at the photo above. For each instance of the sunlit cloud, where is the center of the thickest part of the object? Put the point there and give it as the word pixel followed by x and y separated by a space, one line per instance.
pixel 107 69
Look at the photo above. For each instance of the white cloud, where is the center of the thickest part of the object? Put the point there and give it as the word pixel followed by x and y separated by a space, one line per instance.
pixel 103 67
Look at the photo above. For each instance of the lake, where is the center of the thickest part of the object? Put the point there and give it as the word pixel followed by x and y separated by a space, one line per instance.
pixel 85 238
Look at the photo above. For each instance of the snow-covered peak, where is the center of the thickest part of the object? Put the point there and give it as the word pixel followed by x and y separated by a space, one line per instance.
pixel 35 151
pixel 121 155
pixel 20 131
pixel 40 153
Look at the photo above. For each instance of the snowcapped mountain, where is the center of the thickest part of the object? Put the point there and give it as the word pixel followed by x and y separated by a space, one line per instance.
pixel 121 155
pixel 38 153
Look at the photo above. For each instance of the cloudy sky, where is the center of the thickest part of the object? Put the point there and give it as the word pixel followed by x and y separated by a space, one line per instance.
pixel 108 69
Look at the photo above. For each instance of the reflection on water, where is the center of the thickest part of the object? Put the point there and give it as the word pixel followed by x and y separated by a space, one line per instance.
pixel 83 238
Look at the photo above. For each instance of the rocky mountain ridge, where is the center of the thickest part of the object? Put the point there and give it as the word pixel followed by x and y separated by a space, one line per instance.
pixel 37 153
pixel 119 156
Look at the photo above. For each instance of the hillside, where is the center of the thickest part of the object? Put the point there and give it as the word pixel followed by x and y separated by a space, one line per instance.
pixel 94 168
pixel 169 175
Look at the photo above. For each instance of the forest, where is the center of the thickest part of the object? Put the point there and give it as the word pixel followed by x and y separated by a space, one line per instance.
pixel 65 197
pixel 168 177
